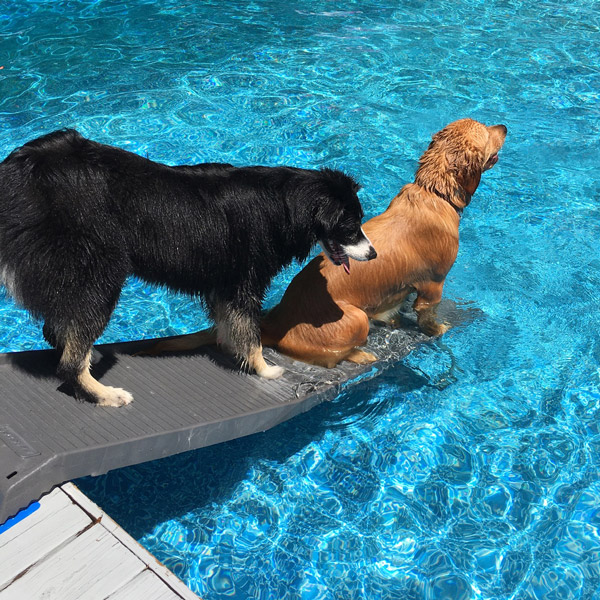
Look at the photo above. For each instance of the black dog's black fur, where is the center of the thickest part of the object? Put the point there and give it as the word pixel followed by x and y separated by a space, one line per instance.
pixel 77 217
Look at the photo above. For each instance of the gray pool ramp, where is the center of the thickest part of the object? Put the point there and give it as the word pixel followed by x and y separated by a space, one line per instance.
pixel 181 402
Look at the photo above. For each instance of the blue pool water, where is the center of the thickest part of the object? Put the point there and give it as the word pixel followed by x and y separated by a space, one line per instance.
pixel 469 470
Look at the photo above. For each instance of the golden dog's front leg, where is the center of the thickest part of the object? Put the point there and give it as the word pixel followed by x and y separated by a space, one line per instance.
pixel 429 295
pixel 388 311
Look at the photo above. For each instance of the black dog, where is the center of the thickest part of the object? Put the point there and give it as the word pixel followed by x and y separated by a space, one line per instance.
pixel 77 217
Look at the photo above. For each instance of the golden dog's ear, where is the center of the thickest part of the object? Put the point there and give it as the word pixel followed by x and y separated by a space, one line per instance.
pixel 453 163
pixel 469 180
pixel 467 164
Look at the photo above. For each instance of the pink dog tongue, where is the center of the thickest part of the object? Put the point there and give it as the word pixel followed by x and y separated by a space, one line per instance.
pixel 346 265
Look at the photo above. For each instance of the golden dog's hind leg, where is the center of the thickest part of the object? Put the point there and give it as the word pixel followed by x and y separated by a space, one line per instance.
pixel 429 295
pixel 329 343
pixel 356 325
pixel 360 357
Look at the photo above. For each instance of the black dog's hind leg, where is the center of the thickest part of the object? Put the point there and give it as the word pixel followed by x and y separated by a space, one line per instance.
pixel 238 329
pixel 74 368
pixel 74 324
pixel 50 336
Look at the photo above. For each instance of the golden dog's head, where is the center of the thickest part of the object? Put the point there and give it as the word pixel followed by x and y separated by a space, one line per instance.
pixel 457 156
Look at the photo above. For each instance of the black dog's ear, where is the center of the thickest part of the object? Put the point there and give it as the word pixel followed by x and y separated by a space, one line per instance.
pixel 340 184
pixel 356 187
pixel 336 197
pixel 328 214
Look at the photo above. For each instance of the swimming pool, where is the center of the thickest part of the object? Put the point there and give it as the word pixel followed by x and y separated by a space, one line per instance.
pixel 472 468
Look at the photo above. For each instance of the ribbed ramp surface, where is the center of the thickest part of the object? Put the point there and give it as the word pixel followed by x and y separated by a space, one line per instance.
pixel 181 402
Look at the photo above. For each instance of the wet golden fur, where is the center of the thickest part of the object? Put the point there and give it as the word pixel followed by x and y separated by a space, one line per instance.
pixel 324 314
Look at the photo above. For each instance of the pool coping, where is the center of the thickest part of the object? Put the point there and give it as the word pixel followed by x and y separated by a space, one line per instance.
pixel 69 547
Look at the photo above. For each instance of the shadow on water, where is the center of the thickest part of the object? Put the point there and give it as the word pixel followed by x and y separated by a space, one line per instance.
pixel 143 496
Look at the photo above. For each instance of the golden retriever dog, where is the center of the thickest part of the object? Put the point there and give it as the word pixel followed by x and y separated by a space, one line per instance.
pixel 324 314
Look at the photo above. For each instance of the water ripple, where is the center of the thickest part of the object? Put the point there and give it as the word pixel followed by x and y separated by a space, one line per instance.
pixel 468 469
